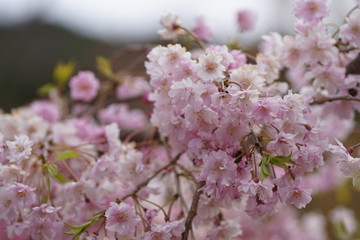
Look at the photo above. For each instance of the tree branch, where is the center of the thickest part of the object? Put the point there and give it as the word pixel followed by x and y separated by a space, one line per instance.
pixel 193 210
pixel 143 184
pixel 342 98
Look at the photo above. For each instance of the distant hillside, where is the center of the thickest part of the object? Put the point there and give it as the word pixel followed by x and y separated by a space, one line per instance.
pixel 28 54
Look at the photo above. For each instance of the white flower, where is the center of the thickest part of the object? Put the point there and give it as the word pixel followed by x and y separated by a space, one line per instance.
pixel 209 67
pixel 19 149
pixel 172 25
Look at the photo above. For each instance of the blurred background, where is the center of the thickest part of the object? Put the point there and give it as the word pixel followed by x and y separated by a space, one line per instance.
pixel 36 34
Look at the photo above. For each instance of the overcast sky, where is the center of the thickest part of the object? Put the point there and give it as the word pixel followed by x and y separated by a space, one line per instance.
pixel 137 20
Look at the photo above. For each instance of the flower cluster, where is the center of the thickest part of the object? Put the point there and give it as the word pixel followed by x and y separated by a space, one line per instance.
pixel 240 134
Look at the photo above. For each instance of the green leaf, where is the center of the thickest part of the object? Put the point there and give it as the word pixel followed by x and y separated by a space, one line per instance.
pixel 54 172
pixel 341 232
pixel 104 66
pixel 95 219
pixel 75 232
pixel 62 73
pixel 279 161
pixel 66 155
pixel 284 159
pixel 81 228
pixel 85 225
pixel 263 175
pixel 45 89
pixel 265 169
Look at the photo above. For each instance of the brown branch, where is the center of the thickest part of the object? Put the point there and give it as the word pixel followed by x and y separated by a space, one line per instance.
pixel 351 149
pixel 342 98
pixel 143 184
pixel 102 98
pixel 193 210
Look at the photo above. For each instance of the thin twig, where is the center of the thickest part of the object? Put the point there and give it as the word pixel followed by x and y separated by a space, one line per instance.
pixel 250 56
pixel 193 210
pixel 347 16
pixel 332 99
pixel 143 184
pixel 197 40
pixel 166 216
pixel 351 149
pixel 102 98
pixel 178 189
pixel 67 167
pixel 134 133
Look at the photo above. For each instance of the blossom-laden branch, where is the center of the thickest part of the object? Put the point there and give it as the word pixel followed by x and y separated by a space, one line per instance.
pixel 99 215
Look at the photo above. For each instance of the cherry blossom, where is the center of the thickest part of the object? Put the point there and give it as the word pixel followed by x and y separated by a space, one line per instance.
pixel 245 20
pixel 84 86
pixel 311 10
pixel 19 149
pixel 121 218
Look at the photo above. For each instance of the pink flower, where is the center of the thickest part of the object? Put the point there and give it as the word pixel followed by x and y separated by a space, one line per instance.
pixel 47 110
pixel 201 30
pixel 23 195
pixel 247 77
pixel 132 87
pixel 350 32
pixel 239 59
pixel 16 229
pixel 350 168
pixel 121 218
pixel 204 118
pixel 299 197
pixel 292 53
pixel 8 208
pixel 19 149
pixel 256 207
pixel 311 10
pixel 84 86
pixel 210 66
pixel 112 133
pixel 317 45
pixel 44 223
pixel 245 20
pixel 151 214
pixel 263 190
pixel 172 26
pixel 218 168
pixel 166 231
pixel 123 116
pixel 154 235
pixel 187 92
pixel 225 230
pixel 223 51
pixel 266 110
pixel 1 142
pixel 283 144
